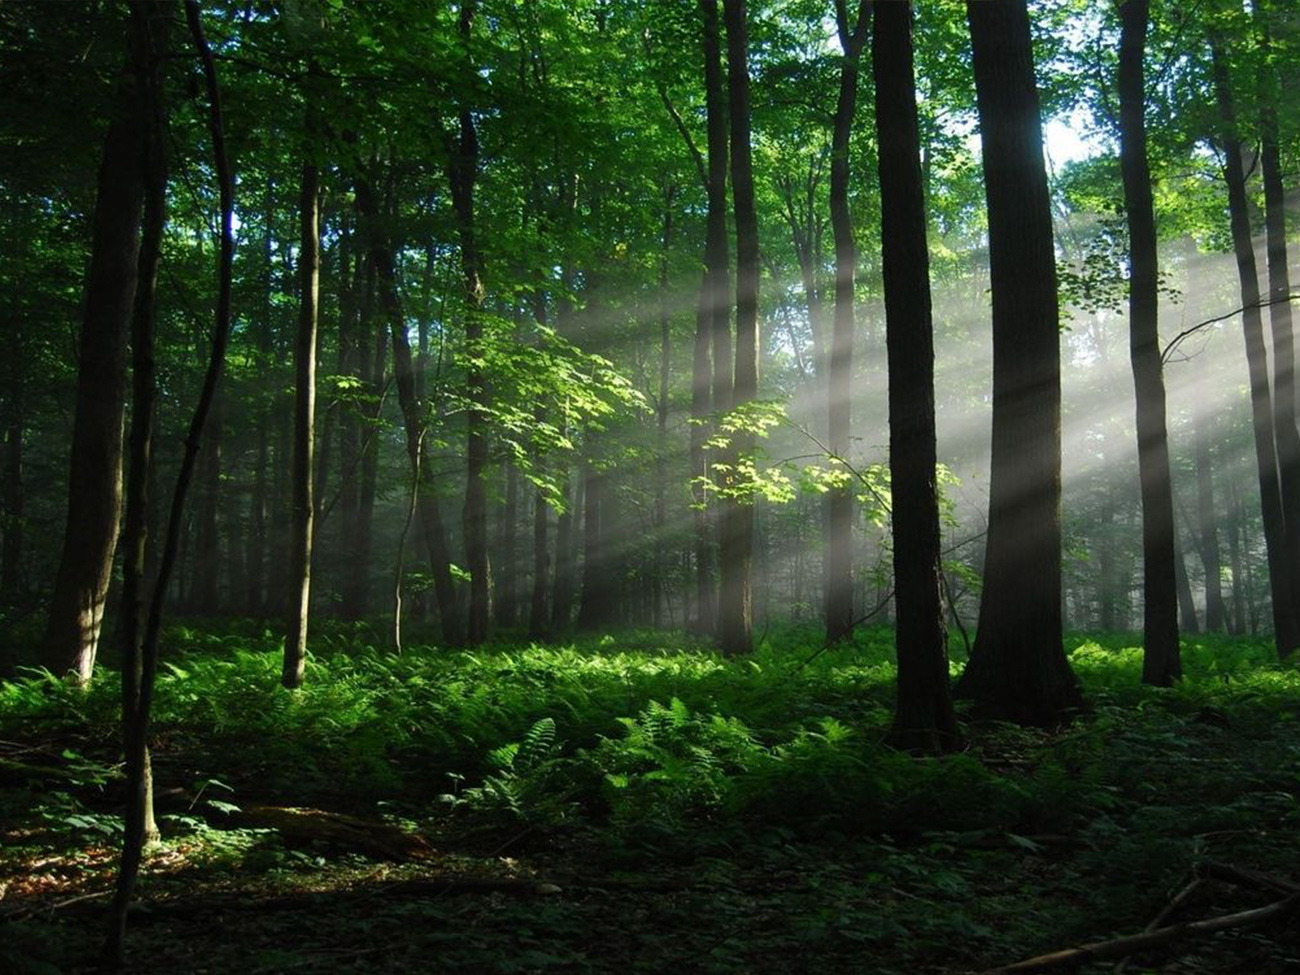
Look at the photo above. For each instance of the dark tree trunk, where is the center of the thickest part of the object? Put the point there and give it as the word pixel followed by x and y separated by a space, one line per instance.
pixel 1018 670
pixel 462 172
pixel 839 393
pixel 1161 662
pixel 303 512
pixel 562 599
pixel 924 718
pixel 1215 614
pixel 735 602
pixel 138 700
pixel 414 420
pixel 1279 290
pixel 712 351
pixel 359 499
pixel 254 593
pixel 1235 546
pixel 1285 624
pixel 95 467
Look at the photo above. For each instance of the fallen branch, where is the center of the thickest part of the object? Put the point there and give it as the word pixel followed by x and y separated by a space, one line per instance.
pixel 1245 877
pixel 1166 912
pixel 1116 948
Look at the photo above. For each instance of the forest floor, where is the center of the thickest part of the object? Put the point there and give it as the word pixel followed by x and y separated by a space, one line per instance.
pixel 636 804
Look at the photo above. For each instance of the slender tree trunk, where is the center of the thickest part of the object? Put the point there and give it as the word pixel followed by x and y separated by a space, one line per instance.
pixel 507 608
pixel 924 718
pixel 1018 670
pixel 1186 601
pixel 136 718
pixel 594 608
pixel 304 431
pixel 1215 614
pixel 414 420
pixel 204 596
pixel 462 172
pixel 839 393
pixel 1236 524
pixel 562 599
pixel 1161 662
pixel 660 517
pixel 255 597
pixel 95 464
pixel 735 603
pixel 1286 628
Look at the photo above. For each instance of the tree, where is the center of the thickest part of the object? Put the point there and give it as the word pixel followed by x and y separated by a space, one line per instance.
pixel 839 401
pixel 735 602
pixel 304 427
pixel 1018 670
pixel 1286 626
pixel 924 718
pixel 76 609
pixel 1161 664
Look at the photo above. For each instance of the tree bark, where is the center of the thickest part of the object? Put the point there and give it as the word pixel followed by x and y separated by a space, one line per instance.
pixel 507 605
pixel 924 718
pixel 1286 627
pixel 595 606
pixel 735 603
pixel 95 464
pixel 1161 662
pixel 304 430
pixel 414 420
pixel 660 515
pixel 1279 288
pixel 135 719
pixel 1018 670
pixel 462 172
pixel 839 392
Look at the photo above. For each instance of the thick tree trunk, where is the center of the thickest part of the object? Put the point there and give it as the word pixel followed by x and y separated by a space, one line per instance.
pixel 303 516
pixel 735 602
pixel 1215 613
pixel 95 467
pixel 1286 627
pixel 839 393
pixel 924 718
pixel 1279 290
pixel 1018 670
pixel 1161 663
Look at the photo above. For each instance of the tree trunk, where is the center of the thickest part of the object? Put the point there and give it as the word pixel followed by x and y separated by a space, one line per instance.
pixel 1285 623
pixel 735 603
pixel 507 605
pixel 414 420
pixel 1279 290
pixel 462 172
pixel 303 518
pixel 660 515
pixel 839 393
pixel 1018 670
pixel 1161 662
pixel 204 595
pixel 1215 614
pixel 594 608
pixel 95 466
pixel 1186 601
pixel 136 718
pixel 924 718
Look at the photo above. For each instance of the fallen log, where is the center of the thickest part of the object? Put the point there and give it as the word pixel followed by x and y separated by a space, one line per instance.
pixel 1117 948
pixel 381 840
pixel 1246 877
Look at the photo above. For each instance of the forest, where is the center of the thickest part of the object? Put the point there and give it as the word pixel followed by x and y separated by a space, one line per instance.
pixel 724 486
